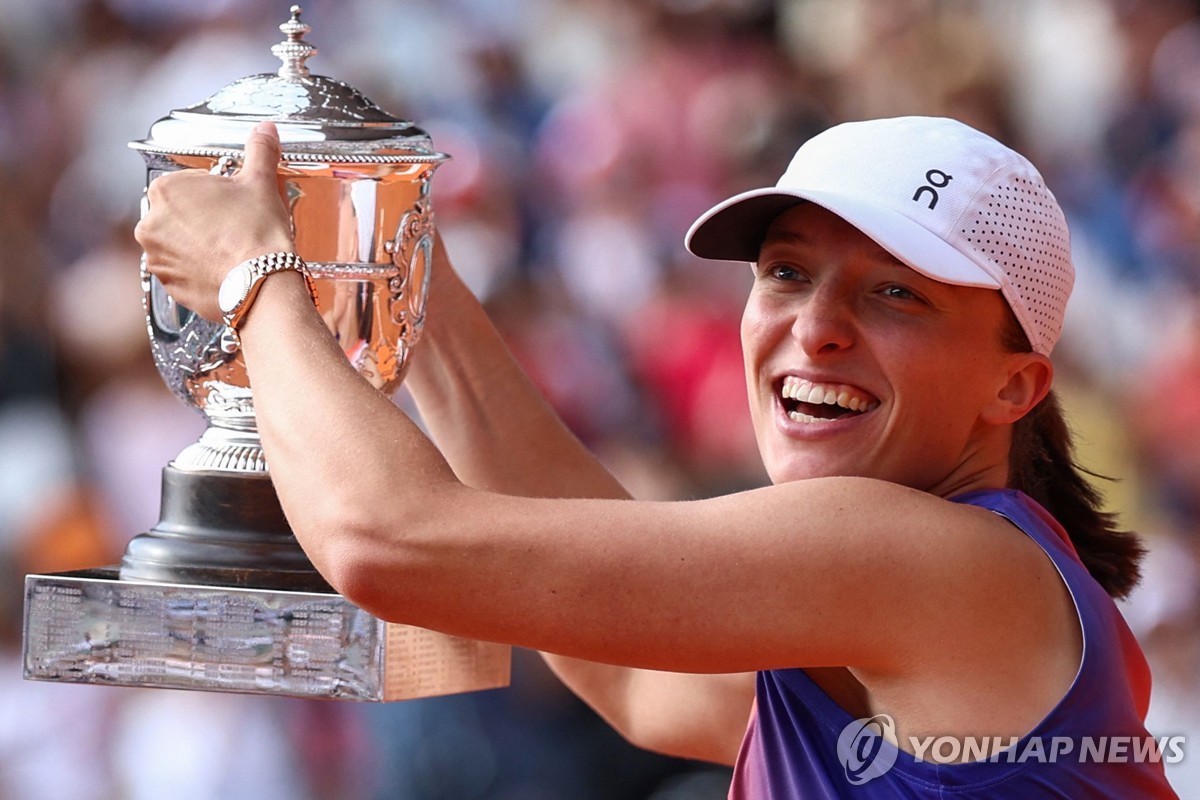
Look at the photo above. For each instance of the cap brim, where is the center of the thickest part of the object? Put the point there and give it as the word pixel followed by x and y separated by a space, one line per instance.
pixel 734 230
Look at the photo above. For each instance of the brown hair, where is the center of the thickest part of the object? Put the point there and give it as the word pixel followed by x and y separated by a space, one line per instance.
pixel 1042 465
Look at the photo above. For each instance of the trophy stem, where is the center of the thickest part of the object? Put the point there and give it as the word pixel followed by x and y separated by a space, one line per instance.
pixel 220 529
pixel 224 449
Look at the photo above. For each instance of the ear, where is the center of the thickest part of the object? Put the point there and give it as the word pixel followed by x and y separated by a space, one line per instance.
pixel 1029 379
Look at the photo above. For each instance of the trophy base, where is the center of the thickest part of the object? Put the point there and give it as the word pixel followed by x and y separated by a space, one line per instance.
pixel 89 626
pixel 220 529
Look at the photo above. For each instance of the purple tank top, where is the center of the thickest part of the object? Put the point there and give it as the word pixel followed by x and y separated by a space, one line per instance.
pixel 800 744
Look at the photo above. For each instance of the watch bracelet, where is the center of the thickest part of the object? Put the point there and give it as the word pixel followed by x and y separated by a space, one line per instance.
pixel 269 263
pixel 279 261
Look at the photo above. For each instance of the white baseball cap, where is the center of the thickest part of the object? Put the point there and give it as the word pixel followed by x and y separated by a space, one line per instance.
pixel 952 203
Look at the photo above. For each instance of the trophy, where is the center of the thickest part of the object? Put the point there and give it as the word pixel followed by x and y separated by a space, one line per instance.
pixel 219 595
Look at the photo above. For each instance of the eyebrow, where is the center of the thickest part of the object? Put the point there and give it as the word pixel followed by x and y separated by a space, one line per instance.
pixel 798 238
pixel 787 237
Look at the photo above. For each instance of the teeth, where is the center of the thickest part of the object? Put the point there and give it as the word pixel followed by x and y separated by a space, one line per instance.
pixel 796 416
pixel 808 392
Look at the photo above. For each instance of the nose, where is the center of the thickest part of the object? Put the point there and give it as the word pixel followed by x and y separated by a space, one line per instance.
pixel 824 324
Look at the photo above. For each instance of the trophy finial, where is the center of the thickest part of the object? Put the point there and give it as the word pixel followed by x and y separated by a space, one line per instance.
pixel 294 51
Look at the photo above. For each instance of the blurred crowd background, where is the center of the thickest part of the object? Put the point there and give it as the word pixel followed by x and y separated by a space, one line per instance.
pixel 586 135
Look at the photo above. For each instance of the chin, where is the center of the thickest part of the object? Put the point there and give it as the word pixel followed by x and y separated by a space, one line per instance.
pixel 800 469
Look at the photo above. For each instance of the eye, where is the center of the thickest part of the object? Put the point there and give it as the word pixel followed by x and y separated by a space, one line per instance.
pixel 784 273
pixel 899 292
pixel 780 272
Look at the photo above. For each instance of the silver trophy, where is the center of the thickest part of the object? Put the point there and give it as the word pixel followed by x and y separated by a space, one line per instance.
pixel 219 595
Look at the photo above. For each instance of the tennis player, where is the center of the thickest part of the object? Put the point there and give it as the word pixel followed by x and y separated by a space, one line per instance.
pixel 919 606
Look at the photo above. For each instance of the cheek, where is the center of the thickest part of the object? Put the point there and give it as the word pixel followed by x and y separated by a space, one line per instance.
pixel 946 403
pixel 757 338
pixel 749 358
pixel 757 328
pixel 756 347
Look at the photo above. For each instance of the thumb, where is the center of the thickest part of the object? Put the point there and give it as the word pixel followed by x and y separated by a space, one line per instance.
pixel 262 152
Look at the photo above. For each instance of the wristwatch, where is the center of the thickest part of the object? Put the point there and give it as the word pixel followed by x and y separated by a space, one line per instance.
pixel 241 284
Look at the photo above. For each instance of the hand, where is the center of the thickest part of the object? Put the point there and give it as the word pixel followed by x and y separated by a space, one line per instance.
pixel 199 226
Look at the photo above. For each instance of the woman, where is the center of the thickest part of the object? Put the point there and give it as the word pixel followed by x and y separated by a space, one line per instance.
pixel 888 610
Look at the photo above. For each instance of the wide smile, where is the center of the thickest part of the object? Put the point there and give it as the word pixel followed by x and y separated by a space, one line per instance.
pixel 810 402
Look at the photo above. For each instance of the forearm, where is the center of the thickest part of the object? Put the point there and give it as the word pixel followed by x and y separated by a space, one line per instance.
pixel 497 431
pixel 337 447
pixel 488 419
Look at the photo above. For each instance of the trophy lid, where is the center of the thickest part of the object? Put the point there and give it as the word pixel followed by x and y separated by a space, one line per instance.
pixel 319 119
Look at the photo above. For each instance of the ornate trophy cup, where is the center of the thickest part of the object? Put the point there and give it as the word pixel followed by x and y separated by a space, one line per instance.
pixel 357 182
pixel 218 595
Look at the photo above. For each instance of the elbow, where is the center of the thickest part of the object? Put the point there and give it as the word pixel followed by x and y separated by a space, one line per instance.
pixel 649 729
pixel 694 746
pixel 370 553
pixel 350 550
pixel 356 577
pixel 662 733
pixel 654 737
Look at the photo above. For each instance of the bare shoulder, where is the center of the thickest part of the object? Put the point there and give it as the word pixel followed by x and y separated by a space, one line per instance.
pixel 965 542
pixel 931 568
pixel 991 638
pixel 905 523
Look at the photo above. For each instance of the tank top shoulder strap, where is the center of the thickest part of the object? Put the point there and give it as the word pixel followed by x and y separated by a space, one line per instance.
pixel 1105 634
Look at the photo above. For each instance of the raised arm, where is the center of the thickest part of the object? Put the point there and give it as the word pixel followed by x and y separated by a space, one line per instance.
pixel 492 425
pixel 498 433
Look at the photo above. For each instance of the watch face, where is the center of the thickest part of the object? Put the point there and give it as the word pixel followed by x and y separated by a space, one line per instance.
pixel 233 289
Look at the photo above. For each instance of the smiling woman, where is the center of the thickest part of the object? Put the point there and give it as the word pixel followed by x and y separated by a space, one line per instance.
pixel 831 309
pixel 892 584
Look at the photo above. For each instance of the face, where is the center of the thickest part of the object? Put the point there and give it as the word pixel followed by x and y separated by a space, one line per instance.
pixel 858 365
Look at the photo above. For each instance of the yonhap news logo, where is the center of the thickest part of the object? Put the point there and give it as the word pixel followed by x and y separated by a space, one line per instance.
pixel 867 749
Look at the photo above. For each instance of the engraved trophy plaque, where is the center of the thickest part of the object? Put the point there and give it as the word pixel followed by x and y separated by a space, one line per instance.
pixel 218 595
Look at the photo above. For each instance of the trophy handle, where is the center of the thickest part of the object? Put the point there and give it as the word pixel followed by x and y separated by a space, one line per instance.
pixel 226 166
pixel 412 254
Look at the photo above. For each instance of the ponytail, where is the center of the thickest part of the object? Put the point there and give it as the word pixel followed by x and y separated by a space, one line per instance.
pixel 1042 465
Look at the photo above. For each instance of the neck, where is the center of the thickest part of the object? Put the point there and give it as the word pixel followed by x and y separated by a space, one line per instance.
pixel 984 465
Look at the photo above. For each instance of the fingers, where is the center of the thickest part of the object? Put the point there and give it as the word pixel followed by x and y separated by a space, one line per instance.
pixel 262 153
pixel 198 225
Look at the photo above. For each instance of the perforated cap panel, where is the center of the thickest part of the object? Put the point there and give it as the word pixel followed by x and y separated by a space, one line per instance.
pixel 1021 230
